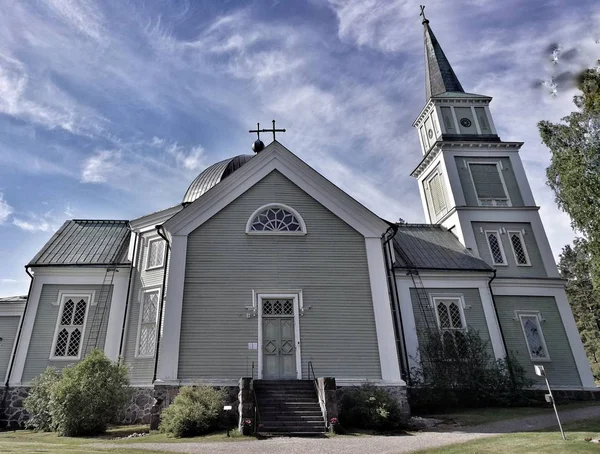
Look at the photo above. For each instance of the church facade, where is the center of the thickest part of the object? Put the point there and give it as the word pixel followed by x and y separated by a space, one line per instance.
pixel 268 270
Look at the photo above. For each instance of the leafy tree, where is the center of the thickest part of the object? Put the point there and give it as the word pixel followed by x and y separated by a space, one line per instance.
pixel 574 171
pixel 575 266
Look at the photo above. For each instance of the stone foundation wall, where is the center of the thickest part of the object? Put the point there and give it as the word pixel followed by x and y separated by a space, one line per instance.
pixel 144 403
pixel 12 413
pixel 138 411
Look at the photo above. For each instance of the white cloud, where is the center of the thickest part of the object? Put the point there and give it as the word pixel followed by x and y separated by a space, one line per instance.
pixel 98 168
pixel 381 25
pixel 5 209
pixel 8 281
pixel 36 223
pixel 81 15
pixel 69 211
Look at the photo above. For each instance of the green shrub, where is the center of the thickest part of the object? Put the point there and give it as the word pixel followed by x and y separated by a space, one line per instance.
pixel 37 403
pixel 89 395
pixel 196 410
pixel 461 371
pixel 369 407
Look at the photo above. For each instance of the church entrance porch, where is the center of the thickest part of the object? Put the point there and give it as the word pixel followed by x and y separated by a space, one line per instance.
pixel 279 355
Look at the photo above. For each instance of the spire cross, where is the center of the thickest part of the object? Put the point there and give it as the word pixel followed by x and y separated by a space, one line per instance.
pixel 425 21
pixel 273 130
pixel 257 130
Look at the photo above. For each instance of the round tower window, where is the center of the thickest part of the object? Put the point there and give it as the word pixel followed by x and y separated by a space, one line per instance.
pixel 465 122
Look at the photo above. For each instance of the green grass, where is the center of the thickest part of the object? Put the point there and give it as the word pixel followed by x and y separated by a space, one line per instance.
pixel 23 441
pixel 471 417
pixel 547 441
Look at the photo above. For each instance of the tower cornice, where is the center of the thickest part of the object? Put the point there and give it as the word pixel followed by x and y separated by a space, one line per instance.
pixel 466 146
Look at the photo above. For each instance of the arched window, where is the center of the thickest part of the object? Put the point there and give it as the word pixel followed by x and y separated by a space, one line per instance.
pixel 276 219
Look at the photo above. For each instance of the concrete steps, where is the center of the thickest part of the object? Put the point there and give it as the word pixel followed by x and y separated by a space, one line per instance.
pixel 289 407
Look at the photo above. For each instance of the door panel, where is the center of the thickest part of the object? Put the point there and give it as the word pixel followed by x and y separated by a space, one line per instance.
pixel 279 351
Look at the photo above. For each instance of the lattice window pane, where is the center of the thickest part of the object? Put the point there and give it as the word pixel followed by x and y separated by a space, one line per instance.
pixel 443 315
pixel 275 219
pixel 79 316
pixel 61 343
pixel 149 307
pixel 74 342
pixel 460 340
pixel 147 340
pixel 67 314
pixel 455 316
pixel 156 250
pixel 495 247
pixel 533 337
pixel 519 248
pixel 267 308
pixel 278 307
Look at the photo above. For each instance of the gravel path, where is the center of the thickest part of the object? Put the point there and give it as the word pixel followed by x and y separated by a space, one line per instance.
pixel 368 444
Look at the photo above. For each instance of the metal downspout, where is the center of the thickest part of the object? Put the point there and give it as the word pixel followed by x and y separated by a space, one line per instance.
pixel 162 300
pixel 394 300
pixel 497 316
pixel 16 347
pixel 127 297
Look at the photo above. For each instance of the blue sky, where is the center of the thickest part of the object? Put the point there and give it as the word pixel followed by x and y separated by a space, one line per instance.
pixel 109 109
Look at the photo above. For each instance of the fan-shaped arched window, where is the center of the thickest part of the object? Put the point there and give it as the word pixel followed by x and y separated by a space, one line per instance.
pixel 276 219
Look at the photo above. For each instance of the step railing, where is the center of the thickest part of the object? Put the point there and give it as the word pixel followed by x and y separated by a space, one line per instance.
pixel 320 393
pixel 256 411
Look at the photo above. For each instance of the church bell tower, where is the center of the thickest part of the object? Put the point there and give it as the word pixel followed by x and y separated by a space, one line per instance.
pixel 471 181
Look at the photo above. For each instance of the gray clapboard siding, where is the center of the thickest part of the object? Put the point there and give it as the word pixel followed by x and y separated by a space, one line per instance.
pixel 536 269
pixel 329 264
pixel 425 316
pixel 467 183
pixel 45 324
pixel 140 369
pixel 8 332
pixel 562 370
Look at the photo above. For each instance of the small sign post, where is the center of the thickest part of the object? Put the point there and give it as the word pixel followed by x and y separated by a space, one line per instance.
pixel 227 409
pixel 540 372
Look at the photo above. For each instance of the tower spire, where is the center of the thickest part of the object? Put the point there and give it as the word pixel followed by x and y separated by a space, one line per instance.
pixel 439 75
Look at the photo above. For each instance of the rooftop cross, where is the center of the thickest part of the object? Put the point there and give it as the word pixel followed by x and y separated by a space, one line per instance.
pixel 273 130
pixel 425 21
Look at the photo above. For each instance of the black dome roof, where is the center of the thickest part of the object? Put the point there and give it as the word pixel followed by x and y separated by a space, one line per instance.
pixel 214 174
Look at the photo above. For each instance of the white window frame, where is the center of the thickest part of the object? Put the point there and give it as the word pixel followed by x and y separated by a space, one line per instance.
pixel 522 239
pixel 457 298
pixel 162 260
pixel 436 173
pixel 480 200
pixel 250 221
pixel 156 288
pixel 487 241
pixel 538 319
pixel 63 296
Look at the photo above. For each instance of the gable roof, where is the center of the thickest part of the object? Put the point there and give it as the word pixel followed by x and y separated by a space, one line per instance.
pixel 433 247
pixel 277 157
pixel 86 242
